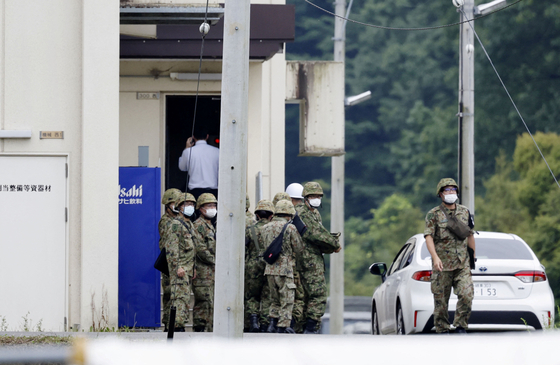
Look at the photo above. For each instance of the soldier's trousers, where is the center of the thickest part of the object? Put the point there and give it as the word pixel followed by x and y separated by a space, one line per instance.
pixel 315 288
pixel 166 289
pixel 298 313
pixel 203 311
pixel 282 295
pixel 180 298
pixel 257 294
pixel 461 282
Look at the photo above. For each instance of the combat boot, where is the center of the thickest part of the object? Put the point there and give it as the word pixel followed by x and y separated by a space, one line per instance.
pixel 254 323
pixel 272 325
pixel 264 327
pixel 310 327
pixel 198 328
pixel 286 330
pixel 179 329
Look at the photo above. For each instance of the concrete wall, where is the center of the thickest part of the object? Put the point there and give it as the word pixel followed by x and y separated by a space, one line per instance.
pixel 59 72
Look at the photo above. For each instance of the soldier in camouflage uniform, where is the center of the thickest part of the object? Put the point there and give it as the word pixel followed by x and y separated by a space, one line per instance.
pixel 317 241
pixel 168 200
pixel 280 196
pixel 280 274
pixel 450 259
pixel 205 264
pixel 257 295
pixel 180 249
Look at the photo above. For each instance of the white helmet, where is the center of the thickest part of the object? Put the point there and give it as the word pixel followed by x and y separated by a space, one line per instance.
pixel 294 190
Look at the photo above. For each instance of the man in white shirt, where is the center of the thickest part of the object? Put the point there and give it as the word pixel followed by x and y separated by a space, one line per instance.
pixel 200 160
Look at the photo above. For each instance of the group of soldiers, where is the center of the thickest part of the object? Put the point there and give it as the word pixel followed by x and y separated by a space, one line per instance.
pixel 190 246
pixel 288 295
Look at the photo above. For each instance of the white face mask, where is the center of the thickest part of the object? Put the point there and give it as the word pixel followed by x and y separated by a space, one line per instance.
pixel 315 203
pixel 188 210
pixel 173 208
pixel 450 198
pixel 210 213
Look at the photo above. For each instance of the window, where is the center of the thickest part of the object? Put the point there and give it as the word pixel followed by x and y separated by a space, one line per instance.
pixel 495 249
pixel 396 263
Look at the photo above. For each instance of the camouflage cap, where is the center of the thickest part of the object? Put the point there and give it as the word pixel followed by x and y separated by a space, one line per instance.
pixel 284 207
pixel 281 196
pixel 265 205
pixel 170 196
pixel 446 182
pixel 205 199
pixel 312 188
pixel 247 202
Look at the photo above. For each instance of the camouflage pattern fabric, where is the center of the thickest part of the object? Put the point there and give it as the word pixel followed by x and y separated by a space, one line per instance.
pixel 298 311
pixel 281 274
pixel 256 285
pixel 180 249
pixel 282 294
pixel 292 247
pixel 203 311
pixel 452 251
pixel 249 219
pixel 313 264
pixel 163 227
pixel 461 282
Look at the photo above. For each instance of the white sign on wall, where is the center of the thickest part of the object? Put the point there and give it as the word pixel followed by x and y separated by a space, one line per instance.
pixel 33 261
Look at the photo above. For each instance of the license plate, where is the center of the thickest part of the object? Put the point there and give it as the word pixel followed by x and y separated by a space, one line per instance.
pixel 485 290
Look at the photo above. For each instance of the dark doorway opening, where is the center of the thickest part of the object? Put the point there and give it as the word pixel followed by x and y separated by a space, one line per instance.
pixel 179 112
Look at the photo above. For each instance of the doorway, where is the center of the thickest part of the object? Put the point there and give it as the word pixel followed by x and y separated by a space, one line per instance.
pixel 179 112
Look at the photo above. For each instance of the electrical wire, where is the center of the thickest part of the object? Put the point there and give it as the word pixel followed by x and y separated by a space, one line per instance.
pixel 513 102
pixel 196 95
pixel 407 29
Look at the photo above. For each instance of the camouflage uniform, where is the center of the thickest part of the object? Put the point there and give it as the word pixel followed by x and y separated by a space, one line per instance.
pixel 456 270
pixel 280 275
pixel 317 240
pixel 205 274
pixel 180 249
pixel 163 227
pixel 256 285
pixel 249 217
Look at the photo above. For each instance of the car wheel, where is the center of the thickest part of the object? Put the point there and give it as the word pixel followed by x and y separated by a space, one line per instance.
pixel 374 321
pixel 400 321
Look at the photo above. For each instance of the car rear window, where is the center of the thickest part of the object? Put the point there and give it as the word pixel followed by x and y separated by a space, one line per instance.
pixel 495 249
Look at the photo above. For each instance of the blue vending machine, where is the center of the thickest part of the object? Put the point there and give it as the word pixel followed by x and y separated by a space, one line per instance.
pixel 139 214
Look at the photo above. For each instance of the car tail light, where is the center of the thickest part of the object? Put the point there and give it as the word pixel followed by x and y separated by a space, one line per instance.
pixel 530 276
pixel 422 275
pixel 416 317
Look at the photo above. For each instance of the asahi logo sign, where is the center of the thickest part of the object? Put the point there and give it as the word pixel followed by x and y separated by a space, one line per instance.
pixel 132 195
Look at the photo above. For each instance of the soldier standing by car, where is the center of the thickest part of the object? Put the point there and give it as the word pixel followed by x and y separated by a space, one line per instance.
pixel 317 241
pixel 450 258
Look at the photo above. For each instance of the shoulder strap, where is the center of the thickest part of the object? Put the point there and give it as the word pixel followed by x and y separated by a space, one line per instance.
pixel 255 237
pixel 444 210
pixel 184 224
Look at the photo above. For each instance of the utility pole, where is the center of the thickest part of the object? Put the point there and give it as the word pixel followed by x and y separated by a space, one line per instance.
pixel 336 305
pixel 466 105
pixel 230 237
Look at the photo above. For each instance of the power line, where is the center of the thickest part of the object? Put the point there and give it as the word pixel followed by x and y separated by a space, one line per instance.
pixel 513 102
pixel 407 29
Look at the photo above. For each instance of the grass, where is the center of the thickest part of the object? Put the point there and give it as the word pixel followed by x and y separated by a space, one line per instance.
pixel 7 340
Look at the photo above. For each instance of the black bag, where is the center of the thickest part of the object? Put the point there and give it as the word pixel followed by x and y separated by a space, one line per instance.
pixel 273 250
pixel 455 226
pixel 161 263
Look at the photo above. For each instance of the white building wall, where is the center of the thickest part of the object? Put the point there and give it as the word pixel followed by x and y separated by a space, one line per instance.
pixel 59 72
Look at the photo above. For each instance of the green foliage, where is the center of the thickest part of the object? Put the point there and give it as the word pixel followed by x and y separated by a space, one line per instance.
pixel 404 139
pixel 378 240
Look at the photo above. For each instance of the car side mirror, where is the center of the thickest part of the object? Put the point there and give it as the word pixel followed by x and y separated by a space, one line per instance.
pixel 379 268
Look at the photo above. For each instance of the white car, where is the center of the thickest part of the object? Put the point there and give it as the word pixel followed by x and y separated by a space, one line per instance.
pixel 510 287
